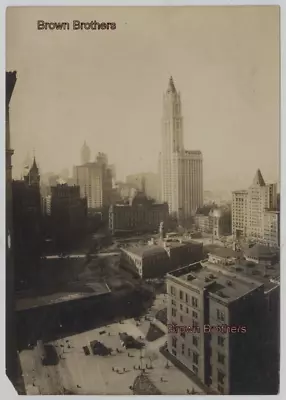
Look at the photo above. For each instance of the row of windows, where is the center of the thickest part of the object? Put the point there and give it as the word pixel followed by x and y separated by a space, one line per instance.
pixel 185 297
pixel 194 355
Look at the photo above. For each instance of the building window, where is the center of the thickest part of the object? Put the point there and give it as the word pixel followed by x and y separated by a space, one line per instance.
pixel 195 314
pixel 183 348
pixel 173 312
pixel 187 310
pixel 173 291
pixel 183 334
pixel 181 295
pixel 194 302
pixel 195 324
pixel 181 307
pixel 173 302
pixel 195 358
pixel 174 341
pixel 195 341
pixel 181 318
pixel 220 341
pixel 220 315
pixel 187 298
pixel 189 352
pixel 220 377
pixel 220 358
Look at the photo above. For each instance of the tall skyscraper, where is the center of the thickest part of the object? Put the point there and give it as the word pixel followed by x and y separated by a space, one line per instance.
pixel 95 181
pixel 85 153
pixel 251 212
pixel 181 171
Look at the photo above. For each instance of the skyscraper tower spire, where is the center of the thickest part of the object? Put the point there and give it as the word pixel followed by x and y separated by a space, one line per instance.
pixel 33 176
pixel 85 153
pixel 171 87
pixel 180 170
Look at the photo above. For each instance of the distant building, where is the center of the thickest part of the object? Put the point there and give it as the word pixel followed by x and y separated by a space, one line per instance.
pixel 181 171
pixel 213 220
pixel 203 221
pixel 95 182
pixel 224 256
pixel 47 205
pixel 68 214
pixel 239 213
pixel 141 215
pixel 157 258
pixel 271 228
pixel 261 254
pixel 146 261
pixel 27 219
pixel 85 154
pixel 251 219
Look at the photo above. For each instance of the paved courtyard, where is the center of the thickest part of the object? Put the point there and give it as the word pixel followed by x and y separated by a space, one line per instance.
pixel 77 373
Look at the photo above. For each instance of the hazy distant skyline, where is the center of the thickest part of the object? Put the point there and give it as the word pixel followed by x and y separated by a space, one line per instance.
pixel 106 88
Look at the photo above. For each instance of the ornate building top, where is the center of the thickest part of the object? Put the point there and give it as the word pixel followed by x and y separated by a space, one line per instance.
pixel 33 176
pixel 171 87
pixel 258 179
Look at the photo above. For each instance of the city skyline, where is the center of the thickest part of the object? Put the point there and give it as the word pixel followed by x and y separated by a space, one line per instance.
pixel 72 94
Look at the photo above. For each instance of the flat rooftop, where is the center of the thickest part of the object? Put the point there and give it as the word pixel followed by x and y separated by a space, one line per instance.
pixel 226 286
pixel 225 252
pixel 26 301
pixel 145 250
pixel 269 276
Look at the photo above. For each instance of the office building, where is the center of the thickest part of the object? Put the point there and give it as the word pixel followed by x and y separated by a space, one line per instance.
pixel 140 215
pixel 208 295
pixel 95 182
pixel 213 220
pixel 160 256
pixel 251 217
pixel 181 171
pixel 85 154
pixel 68 215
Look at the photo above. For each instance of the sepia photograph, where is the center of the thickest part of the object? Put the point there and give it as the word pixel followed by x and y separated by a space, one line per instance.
pixel 143 200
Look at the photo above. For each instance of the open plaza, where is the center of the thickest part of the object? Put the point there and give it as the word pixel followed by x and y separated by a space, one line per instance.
pixel 77 373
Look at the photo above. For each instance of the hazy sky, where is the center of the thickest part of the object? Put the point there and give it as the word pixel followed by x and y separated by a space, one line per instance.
pixel 106 87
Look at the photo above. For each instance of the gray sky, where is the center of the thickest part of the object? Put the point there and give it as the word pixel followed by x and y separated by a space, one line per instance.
pixel 106 87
